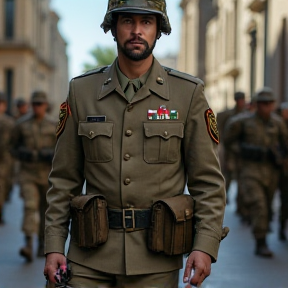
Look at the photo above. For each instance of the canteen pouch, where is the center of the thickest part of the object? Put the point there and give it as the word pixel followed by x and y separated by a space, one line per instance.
pixel 171 228
pixel 89 215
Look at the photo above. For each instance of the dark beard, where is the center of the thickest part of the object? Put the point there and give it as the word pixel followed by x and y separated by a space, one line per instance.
pixel 130 54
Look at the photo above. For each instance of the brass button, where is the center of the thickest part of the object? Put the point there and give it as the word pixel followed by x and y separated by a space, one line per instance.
pixel 127 157
pixel 187 212
pixel 91 133
pixel 127 181
pixel 128 133
pixel 165 133
pixel 160 80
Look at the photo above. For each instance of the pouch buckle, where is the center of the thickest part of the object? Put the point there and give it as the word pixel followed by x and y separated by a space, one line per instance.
pixel 128 219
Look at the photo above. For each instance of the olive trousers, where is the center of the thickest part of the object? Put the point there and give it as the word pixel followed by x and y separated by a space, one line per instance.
pixel 35 205
pixel 258 200
pixel 83 277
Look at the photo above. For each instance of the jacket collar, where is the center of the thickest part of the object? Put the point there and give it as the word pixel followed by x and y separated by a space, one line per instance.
pixel 157 83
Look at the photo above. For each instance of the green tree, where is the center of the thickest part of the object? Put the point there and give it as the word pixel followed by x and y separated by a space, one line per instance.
pixel 103 56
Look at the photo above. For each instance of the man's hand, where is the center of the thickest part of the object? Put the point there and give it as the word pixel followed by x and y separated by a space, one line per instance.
pixel 53 262
pixel 200 262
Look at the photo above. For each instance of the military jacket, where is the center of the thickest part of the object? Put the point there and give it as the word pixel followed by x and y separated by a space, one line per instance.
pixel 249 131
pixel 6 126
pixel 33 143
pixel 224 116
pixel 134 157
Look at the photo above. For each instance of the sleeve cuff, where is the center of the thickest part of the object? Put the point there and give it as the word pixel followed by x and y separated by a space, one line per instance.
pixel 54 244
pixel 207 244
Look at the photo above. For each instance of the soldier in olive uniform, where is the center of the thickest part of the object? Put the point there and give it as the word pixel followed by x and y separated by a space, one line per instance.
pixel 22 107
pixel 33 144
pixel 259 139
pixel 283 183
pixel 227 160
pixel 6 162
pixel 136 132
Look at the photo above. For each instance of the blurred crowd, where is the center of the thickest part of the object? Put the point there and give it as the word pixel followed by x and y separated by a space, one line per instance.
pixel 254 153
pixel 27 145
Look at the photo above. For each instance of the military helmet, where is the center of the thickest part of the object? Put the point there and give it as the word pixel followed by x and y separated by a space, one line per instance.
pixel 265 95
pixel 39 97
pixel 239 95
pixel 137 7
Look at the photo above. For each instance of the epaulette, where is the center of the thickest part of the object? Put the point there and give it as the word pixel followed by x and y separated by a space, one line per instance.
pixel 183 75
pixel 94 71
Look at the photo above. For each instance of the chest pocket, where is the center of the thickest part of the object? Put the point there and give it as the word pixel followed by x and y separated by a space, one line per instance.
pixel 162 142
pixel 97 141
pixel 48 138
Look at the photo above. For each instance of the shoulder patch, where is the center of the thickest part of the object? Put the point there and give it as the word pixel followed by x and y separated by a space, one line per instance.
pixel 94 71
pixel 212 125
pixel 183 75
pixel 63 115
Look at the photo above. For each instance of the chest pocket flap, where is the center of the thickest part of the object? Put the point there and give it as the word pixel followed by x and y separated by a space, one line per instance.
pixel 164 130
pixel 97 140
pixel 94 129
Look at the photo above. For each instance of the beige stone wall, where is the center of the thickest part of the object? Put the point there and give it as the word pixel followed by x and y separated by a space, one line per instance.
pixel 196 14
pixel 229 54
pixel 36 54
pixel 188 51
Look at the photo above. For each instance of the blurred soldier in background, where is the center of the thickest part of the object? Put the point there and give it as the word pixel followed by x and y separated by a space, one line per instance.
pixel 33 142
pixel 227 159
pixel 259 139
pixel 283 183
pixel 22 107
pixel 6 163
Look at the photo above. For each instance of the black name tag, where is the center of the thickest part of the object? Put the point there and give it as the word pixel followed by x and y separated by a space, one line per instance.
pixel 99 118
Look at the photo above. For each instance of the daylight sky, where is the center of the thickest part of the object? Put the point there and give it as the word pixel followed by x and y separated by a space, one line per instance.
pixel 80 26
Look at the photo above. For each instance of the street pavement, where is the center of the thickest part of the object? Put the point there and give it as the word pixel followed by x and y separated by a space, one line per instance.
pixel 237 266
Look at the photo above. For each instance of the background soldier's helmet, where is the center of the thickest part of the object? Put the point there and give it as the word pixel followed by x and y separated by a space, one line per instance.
pixel 239 95
pixel 140 7
pixel 265 95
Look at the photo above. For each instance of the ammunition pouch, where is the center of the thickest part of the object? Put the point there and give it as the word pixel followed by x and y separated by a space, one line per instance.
pixel 89 226
pixel 26 155
pixel 276 156
pixel 253 153
pixel 46 155
pixel 261 154
pixel 171 230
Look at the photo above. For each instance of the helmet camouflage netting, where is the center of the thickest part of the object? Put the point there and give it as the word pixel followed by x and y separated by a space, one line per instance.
pixel 137 6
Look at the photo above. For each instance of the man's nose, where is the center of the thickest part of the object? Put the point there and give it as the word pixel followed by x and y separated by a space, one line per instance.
pixel 136 28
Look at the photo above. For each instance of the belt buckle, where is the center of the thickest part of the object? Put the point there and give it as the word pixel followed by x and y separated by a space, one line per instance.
pixel 128 217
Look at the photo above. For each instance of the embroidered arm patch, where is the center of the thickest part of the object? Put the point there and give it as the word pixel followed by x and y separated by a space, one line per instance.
pixel 212 125
pixel 63 115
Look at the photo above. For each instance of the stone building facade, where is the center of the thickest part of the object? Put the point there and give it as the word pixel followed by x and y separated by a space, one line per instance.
pixel 196 15
pixel 246 49
pixel 32 52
